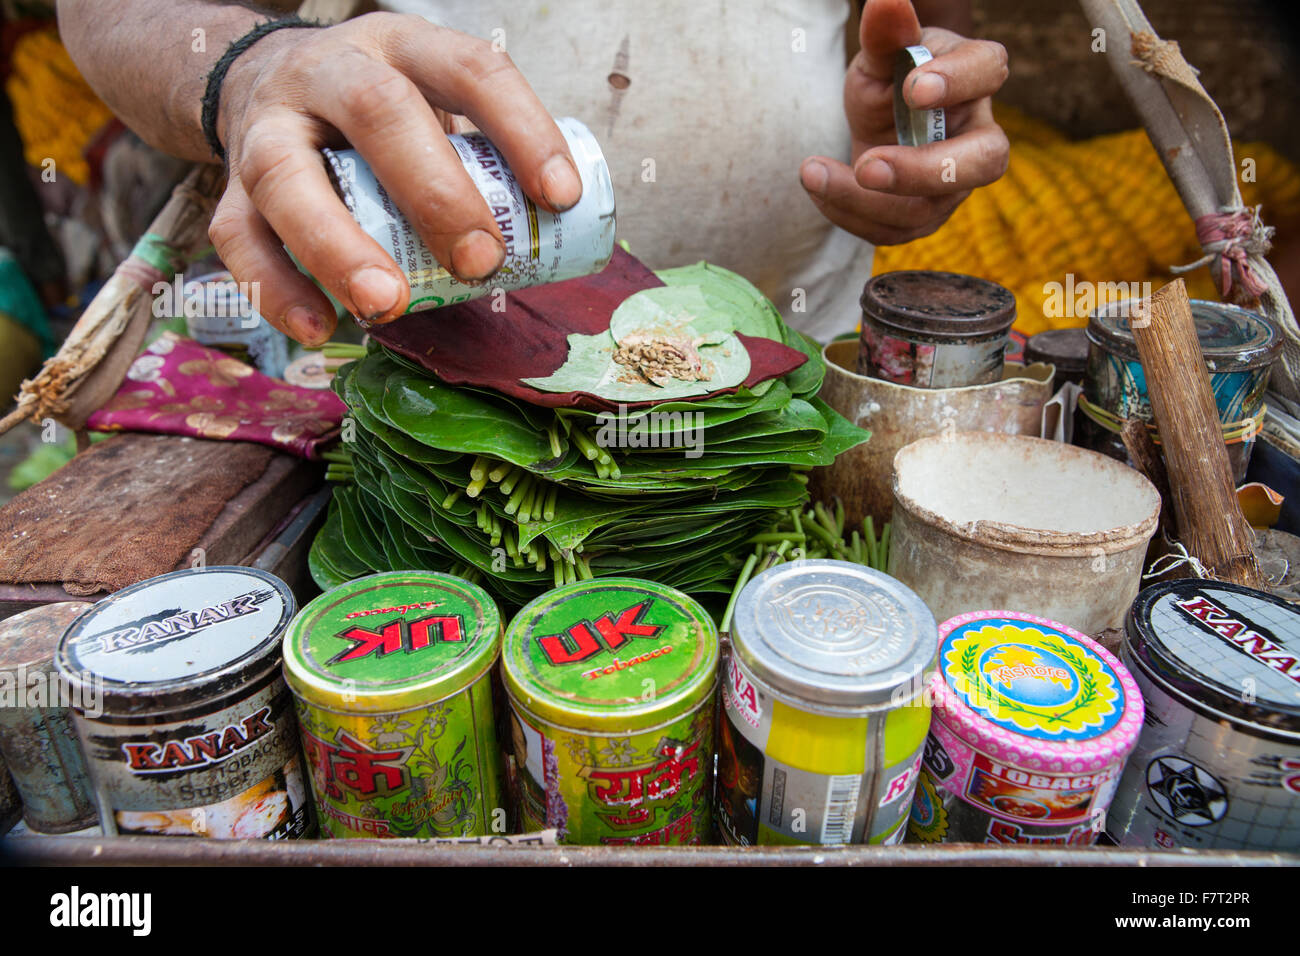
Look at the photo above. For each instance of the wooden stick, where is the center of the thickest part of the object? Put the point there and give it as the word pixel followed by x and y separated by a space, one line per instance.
pixel 1145 455
pixel 1210 523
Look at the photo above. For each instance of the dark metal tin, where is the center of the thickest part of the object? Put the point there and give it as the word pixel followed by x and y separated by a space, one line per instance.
pixel 1067 349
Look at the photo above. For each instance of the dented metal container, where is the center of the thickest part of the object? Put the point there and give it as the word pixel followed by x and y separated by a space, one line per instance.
pixel 897 415
pixel 611 689
pixel 37 737
pixel 983 520
pixel 541 246
pixel 392 677
pixel 195 735
pixel 824 716
pixel 1218 763
pixel 934 329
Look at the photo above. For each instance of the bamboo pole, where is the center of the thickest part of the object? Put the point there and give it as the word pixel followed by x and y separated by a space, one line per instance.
pixel 1210 522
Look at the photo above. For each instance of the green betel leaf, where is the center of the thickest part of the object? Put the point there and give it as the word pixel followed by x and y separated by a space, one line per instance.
pixel 681 321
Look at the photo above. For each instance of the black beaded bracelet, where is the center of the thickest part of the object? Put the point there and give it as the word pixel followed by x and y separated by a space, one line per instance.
pixel 212 95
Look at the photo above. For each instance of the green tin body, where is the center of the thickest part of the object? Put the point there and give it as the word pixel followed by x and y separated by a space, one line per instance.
pixel 611 686
pixel 392 678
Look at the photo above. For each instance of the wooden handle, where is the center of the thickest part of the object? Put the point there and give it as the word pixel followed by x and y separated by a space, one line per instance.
pixel 1210 523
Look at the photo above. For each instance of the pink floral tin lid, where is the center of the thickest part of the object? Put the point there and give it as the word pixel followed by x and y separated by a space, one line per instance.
pixel 1034 693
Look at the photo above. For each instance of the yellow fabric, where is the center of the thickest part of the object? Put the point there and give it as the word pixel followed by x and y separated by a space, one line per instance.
pixel 1102 209
pixel 55 110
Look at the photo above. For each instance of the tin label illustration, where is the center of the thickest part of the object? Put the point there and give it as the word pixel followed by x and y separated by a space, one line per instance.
pixel 611 688
pixel 234 774
pixel 1032 680
pixel 765 799
pixel 642 789
pixel 418 773
pixel 391 674
pixel 1194 782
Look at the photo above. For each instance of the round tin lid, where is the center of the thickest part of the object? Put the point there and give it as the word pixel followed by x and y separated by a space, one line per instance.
pixel 1035 693
pixel 179 639
pixel 939 303
pixel 1067 349
pixel 833 634
pixel 30 638
pixel 1232 649
pixel 391 642
pixel 1231 338
pixel 611 655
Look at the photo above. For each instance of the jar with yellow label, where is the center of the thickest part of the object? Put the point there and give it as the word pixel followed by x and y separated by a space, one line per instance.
pixel 825 717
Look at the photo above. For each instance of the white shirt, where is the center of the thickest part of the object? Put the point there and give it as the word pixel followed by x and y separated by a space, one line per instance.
pixel 722 102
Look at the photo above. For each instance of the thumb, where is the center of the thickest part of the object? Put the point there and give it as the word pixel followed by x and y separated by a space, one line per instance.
pixel 885 28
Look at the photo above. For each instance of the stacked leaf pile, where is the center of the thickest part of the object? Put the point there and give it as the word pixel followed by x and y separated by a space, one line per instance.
pixel 522 498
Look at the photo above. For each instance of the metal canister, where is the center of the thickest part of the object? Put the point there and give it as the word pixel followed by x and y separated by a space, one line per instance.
pixel 611 690
pixel 196 734
pixel 11 804
pixel 392 677
pixel 1067 349
pixel 934 329
pixel 541 247
pixel 1032 724
pixel 218 313
pixel 825 715
pixel 1218 762
pixel 1239 348
pixel 37 738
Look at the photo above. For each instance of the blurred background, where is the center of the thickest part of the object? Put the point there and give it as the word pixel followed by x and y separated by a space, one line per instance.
pixel 1085 193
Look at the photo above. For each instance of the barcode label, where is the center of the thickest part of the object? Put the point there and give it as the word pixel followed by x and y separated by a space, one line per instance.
pixel 841 808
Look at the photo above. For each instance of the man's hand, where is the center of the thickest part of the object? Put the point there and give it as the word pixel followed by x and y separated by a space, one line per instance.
pixel 893 194
pixel 389 84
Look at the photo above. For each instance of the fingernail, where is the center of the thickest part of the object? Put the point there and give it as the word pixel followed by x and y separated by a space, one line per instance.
pixel 374 291
pixel 561 185
pixel 814 177
pixel 928 89
pixel 305 325
pixel 876 174
pixel 476 255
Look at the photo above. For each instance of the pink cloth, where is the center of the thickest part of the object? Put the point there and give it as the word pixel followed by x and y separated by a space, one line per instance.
pixel 178 387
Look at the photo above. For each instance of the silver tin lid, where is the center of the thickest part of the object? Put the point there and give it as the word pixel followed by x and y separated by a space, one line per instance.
pixel 178 640
pixel 833 634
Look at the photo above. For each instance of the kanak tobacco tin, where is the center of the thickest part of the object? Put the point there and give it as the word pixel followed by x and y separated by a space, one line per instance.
pixel 611 688
pixel 196 734
pixel 824 712
pixel 1032 724
pixel 392 675
pixel 1218 762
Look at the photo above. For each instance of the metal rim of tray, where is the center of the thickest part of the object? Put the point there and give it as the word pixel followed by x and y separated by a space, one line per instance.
pixel 180 851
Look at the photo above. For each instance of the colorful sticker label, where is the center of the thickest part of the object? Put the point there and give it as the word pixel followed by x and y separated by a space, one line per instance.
pixel 1031 679
pixel 428 772
pixel 764 798
pixel 234 773
pixel 925 365
pixel 966 797
pixel 641 789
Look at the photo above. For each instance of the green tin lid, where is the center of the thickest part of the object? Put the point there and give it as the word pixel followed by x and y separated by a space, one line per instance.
pixel 612 655
pixel 391 642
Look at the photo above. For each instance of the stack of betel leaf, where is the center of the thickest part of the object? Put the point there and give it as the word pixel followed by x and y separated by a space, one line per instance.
pixel 652 439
